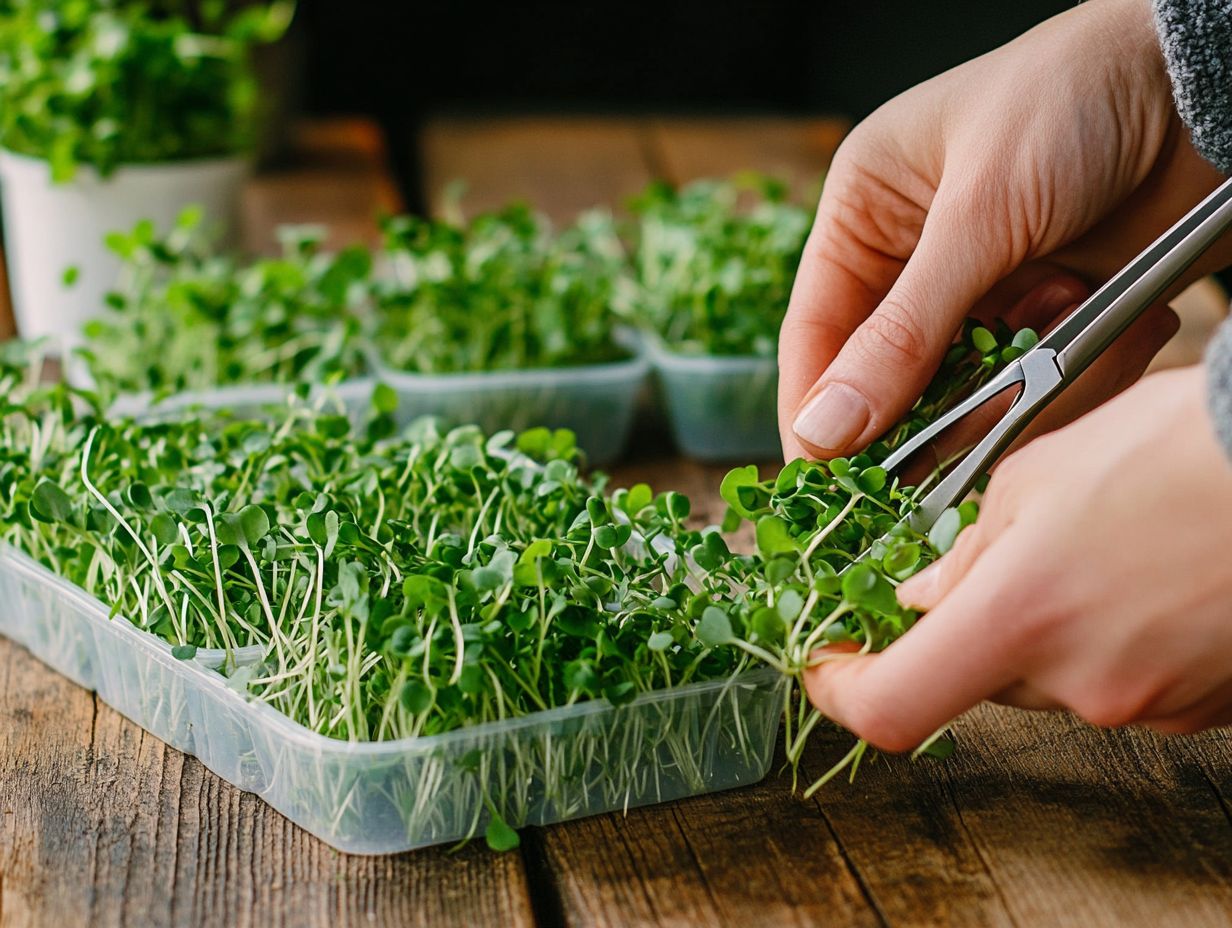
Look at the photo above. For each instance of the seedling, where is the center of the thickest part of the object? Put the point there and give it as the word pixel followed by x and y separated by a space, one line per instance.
pixel 501 292
pixel 187 317
pixel 713 271
pixel 414 584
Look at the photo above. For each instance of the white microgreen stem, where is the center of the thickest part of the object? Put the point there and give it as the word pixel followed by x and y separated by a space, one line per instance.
pixel 850 757
pixel 459 641
pixel 829 528
pixel 114 513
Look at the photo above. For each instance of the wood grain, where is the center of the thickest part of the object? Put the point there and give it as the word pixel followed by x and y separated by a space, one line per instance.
pixel 1040 819
pixel 335 175
pixel 102 824
pixel 560 165
pixel 745 857
pixel 797 150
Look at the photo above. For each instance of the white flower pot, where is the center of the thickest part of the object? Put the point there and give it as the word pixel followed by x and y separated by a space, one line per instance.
pixel 49 228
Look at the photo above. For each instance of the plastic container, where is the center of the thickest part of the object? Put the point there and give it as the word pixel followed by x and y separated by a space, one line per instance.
pixel 595 401
pixel 720 408
pixel 50 227
pixel 352 397
pixel 388 797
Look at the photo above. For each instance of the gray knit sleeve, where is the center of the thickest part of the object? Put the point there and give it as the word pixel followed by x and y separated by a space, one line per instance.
pixel 1196 38
pixel 1219 383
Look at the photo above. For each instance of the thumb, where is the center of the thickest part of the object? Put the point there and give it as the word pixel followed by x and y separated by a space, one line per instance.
pixel 887 362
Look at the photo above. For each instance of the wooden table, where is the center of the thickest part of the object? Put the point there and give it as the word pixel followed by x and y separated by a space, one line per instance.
pixel 1037 820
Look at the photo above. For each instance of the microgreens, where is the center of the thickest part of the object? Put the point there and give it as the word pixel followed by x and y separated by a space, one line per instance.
pixel 185 317
pixel 502 292
pixel 712 271
pixel 414 584
pixel 126 81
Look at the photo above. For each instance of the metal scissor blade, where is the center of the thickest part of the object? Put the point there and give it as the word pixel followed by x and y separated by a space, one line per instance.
pixel 1041 380
pixel 1062 355
pixel 1092 327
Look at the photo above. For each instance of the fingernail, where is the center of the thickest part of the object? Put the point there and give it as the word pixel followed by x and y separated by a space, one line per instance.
pixel 919 590
pixel 832 419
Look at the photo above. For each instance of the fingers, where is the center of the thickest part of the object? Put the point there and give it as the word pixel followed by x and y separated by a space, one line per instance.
pixel 1026 696
pixel 948 662
pixel 1038 295
pixel 841 278
pixel 1213 709
pixel 886 363
pixel 1051 295
pixel 927 588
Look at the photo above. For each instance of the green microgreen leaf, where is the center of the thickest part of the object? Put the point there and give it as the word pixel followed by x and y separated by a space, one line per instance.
pixel 499 836
pixel 715 627
pixel 50 503
pixel 945 530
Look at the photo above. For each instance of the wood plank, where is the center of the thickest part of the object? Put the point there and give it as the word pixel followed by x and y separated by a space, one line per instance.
pixel 560 165
pixel 1038 819
pixel 103 824
pixel 796 149
pixel 336 175
pixel 752 856
pixel 895 826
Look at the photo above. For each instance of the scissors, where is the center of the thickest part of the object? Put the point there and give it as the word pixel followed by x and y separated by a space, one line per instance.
pixel 1059 358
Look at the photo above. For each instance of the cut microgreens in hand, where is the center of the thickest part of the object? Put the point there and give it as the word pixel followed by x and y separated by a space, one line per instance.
pixel 414 584
pixel 186 317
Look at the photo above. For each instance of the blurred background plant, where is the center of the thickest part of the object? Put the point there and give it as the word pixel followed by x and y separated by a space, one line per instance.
pixel 500 292
pixel 188 317
pixel 715 261
pixel 124 82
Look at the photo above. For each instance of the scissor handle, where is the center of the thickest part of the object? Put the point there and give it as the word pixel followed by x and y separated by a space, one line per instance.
pixel 1093 326
pixel 1041 380
pixel 1057 359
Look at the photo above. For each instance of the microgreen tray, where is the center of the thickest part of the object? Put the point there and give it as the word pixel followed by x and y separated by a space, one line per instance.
pixel 595 401
pixel 247 400
pixel 388 797
pixel 720 408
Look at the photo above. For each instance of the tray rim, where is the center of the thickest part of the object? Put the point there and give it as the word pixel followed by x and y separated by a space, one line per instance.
pixel 12 558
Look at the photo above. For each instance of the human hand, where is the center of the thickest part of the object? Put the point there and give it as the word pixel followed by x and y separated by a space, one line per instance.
pixel 1020 179
pixel 1095 579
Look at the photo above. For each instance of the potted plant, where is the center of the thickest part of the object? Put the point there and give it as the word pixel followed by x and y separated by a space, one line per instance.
pixel 714 263
pixel 111 112
pixel 502 323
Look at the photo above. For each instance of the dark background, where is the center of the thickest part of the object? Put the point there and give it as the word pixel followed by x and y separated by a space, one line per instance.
pixel 402 61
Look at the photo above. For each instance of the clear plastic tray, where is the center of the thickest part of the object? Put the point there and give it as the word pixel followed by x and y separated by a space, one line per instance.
pixel 388 797
pixel 595 401
pixel 248 400
pixel 720 408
